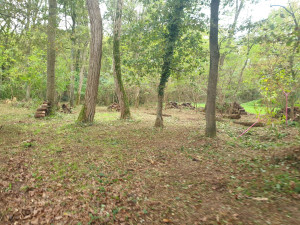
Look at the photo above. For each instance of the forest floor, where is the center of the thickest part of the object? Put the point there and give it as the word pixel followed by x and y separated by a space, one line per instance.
pixel 53 171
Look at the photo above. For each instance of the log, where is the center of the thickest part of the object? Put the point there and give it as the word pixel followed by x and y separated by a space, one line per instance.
pixel 232 116
pixel 45 106
pixel 248 124
pixel 154 114
pixel 42 109
pixel 39 115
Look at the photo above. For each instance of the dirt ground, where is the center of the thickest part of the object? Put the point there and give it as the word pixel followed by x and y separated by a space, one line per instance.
pixel 53 171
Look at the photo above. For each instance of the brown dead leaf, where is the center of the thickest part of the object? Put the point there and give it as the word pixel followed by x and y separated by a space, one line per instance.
pixel 167 221
pixel 35 221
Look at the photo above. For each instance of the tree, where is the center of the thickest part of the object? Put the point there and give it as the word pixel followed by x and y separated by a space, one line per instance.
pixel 122 97
pixel 88 110
pixel 173 24
pixel 51 53
pixel 210 114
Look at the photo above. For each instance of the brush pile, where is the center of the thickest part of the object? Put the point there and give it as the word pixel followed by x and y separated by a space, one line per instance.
pixel 114 107
pixel 289 111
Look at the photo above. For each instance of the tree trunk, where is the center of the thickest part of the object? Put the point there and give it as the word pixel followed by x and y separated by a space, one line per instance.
pixel 88 110
pixel 27 97
pixel 231 32
pixel 51 54
pixel 122 97
pixel 174 21
pixel 73 57
pixel 159 118
pixel 72 83
pixel 137 96
pixel 81 76
pixel 210 113
pixel 242 72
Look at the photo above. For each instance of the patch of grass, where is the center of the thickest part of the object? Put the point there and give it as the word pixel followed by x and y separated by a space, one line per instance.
pixel 255 107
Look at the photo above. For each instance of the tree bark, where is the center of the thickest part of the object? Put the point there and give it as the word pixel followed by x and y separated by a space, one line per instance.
pixel 87 113
pixel 174 21
pixel 122 97
pixel 51 54
pixel 27 97
pixel 81 76
pixel 210 114
pixel 73 56
pixel 137 96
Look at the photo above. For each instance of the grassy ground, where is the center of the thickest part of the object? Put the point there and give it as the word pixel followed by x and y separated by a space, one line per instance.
pixel 53 171
pixel 254 107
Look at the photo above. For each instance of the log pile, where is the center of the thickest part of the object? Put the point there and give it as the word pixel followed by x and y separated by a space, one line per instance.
pixel 172 105
pixel 236 108
pixel 175 105
pixel 289 111
pixel 43 110
pixel 187 105
pixel 233 110
pixel 115 106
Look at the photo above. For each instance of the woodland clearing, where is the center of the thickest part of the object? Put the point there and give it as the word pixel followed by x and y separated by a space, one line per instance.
pixel 53 171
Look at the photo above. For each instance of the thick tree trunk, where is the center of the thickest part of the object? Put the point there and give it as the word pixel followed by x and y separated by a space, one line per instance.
pixel 174 20
pixel 122 97
pixel 88 110
pixel 210 113
pixel 81 76
pixel 51 54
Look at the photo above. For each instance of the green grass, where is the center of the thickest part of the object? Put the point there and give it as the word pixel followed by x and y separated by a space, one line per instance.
pixel 200 105
pixel 254 107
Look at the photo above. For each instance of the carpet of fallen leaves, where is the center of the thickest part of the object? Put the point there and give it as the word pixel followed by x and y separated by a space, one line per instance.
pixel 53 171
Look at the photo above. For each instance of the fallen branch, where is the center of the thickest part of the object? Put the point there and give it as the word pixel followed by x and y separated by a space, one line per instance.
pixel 154 114
pixel 245 123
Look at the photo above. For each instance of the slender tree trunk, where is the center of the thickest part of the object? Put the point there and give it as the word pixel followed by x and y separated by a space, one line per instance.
pixel 88 110
pixel 137 96
pixel 231 32
pixel 27 97
pixel 81 76
pixel 172 36
pixel 73 56
pixel 72 83
pixel 51 54
pixel 210 114
pixel 242 72
pixel 122 97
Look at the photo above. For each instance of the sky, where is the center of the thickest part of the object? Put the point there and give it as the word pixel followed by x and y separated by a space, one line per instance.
pixel 262 10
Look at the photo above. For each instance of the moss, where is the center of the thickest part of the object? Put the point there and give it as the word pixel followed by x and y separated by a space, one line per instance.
pixel 82 116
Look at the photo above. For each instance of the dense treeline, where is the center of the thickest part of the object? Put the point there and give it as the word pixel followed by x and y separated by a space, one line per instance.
pixel 257 59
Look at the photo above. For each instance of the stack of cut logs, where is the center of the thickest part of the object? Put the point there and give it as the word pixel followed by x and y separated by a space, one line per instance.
pixel 238 109
pixel 235 111
pixel 115 106
pixel 42 111
pixel 175 105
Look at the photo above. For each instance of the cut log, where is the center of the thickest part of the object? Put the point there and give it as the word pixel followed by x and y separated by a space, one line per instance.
pixel 45 106
pixel 232 116
pixel 42 109
pixel 248 124
pixel 39 115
